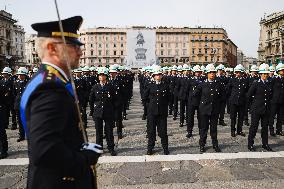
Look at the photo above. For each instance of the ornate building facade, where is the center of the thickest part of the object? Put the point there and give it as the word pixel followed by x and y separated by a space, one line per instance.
pixel 270 49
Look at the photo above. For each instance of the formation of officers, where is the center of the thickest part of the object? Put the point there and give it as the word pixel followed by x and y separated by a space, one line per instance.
pixel 207 91
pixel 106 91
pixel 178 91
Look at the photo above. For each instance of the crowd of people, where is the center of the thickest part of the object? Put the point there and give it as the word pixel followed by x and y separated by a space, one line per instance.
pixel 206 92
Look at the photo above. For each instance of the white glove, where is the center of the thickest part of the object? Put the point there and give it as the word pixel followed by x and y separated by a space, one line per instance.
pixel 93 147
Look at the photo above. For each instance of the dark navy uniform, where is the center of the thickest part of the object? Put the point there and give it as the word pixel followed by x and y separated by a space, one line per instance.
pixel 209 109
pixel 237 89
pixel 277 105
pixel 259 95
pixel 102 102
pixel 158 95
pixel 51 120
pixel 4 122
pixel 223 80
pixel 19 87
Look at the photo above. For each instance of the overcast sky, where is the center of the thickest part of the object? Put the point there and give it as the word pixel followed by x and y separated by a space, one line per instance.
pixel 239 17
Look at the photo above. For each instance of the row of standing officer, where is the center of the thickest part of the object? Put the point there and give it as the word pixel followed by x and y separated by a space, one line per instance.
pixel 12 87
pixel 233 92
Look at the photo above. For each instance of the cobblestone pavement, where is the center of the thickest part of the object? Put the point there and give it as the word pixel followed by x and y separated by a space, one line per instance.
pixel 210 173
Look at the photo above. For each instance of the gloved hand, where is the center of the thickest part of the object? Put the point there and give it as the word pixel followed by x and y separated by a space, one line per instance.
pixel 92 152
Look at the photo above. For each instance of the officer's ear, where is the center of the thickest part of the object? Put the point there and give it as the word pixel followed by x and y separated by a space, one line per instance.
pixel 51 48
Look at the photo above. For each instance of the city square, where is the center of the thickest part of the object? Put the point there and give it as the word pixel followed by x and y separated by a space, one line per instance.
pixel 138 53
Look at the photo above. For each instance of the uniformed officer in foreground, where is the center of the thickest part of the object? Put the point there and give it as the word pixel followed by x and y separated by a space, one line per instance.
pixel 58 157
pixel 210 93
pixel 102 102
pixel 158 94
pixel 259 95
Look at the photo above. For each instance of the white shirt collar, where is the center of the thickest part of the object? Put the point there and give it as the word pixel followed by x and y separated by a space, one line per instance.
pixel 58 69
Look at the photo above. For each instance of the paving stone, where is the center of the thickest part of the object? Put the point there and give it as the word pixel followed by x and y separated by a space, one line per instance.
pixel 246 173
pixel 207 174
pixel 175 176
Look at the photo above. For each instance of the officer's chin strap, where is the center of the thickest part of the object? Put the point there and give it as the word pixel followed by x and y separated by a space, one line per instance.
pixel 65 57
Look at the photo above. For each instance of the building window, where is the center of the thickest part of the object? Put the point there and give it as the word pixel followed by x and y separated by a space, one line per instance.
pixel 212 57
pixel 206 38
pixel 100 52
pixel 121 52
pixel 114 45
pixel 121 45
pixel 169 52
pixel 162 38
pixel 107 52
pixel 100 38
pixel 193 51
pixel 106 38
pixel 107 60
pixel 218 58
pixel 100 60
pixel 92 53
pixel 107 45
pixel 162 53
pixel 121 38
pixel 205 51
pixel 212 38
pixel 206 58
pixel 177 52
pixel 184 52
pixel 176 45
pixel 91 45
pixel 162 45
pixel 193 58
pixel 114 60
pixel 183 45
pixel 114 52
pixel 199 50
pixel 100 45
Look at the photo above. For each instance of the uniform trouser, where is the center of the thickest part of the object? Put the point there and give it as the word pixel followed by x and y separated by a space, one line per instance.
pixel 21 128
pixel 190 119
pixel 125 102
pixel 84 114
pixel 207 121
pixel 182 110
pixel 171 103
pixel 247 106
pixel 160 123
pixel 222 111
pixel 237 110
pixel 175 106
pixel 118 118
pixel 3 134
pixel 228 106
pixel 144 108
pixel 254 126
pixel 276 109
pixel 108 127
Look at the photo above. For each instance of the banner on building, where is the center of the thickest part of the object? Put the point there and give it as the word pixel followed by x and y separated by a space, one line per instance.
pixel 141 48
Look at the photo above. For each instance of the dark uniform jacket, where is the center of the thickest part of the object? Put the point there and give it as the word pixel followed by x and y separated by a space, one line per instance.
pixel 210 99
pixel 277 85
pixel 237 89
pixel 259 95
pixel 101 99
pixel 82 90
pixel 189 88
pixel 158 96
pixel 50 119
pixel 19 87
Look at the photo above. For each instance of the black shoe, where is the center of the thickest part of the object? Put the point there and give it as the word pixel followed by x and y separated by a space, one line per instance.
pixel 174 118
pixel 3 155
pixel 202 149
pixel 216 148
pixel 267 147
pixel 180 124
pixel 246 123
pixel 189 135
pixel 272 134
pixel 14 127
pixel 233 134
pixel 144 117
pixel 170 113
pixel 149 152
pixel 124 117
pixel 112 153
pixel 251 148
pixel 280 133
pixel 20 139
pixel 242 134
pixel 222 123
pixel 166 152
pixel 119 135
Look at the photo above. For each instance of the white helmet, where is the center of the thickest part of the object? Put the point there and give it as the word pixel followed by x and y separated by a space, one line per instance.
pixel 156 70
pixel 220 67
pixel 202 68
pixel 279 67
pixel 272 69
pixel 210 68
pixel 239 68
pixel 103 70
pixel 85 69
pixel 186 67
pixel 263 68
pixel 196 68
pixel 7 70
pixel 254 68
pixel 113 68
pixel 174 68
pixel 179 68
pixel 35 70
pixel 22 71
